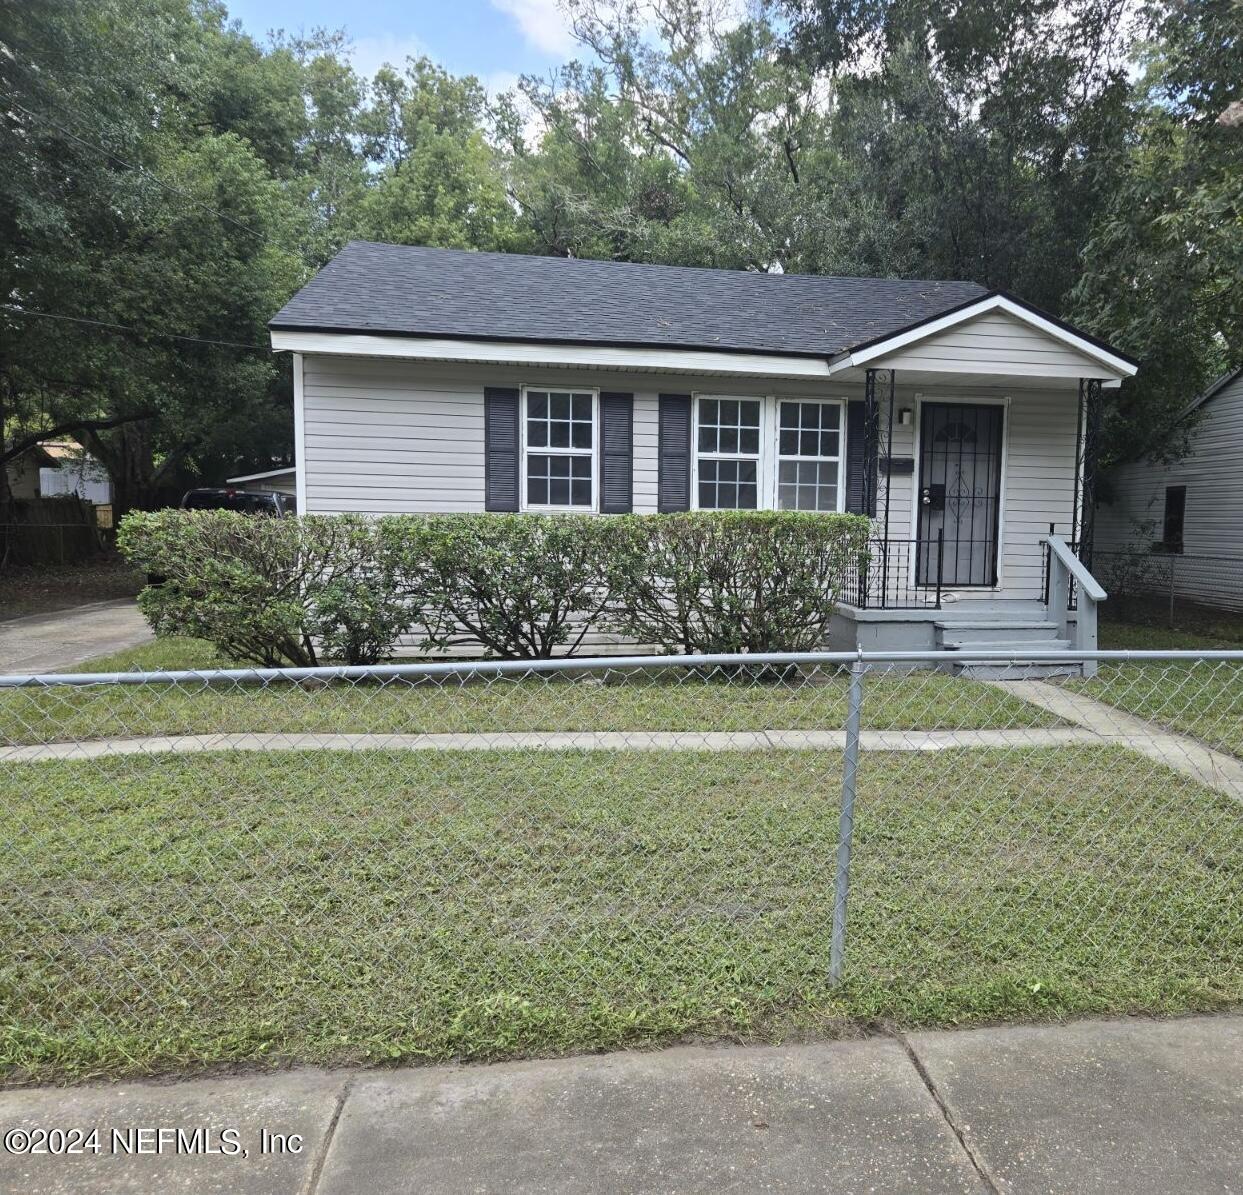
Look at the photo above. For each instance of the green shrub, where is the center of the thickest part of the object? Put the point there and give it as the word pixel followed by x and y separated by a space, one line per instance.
pixel 266 590
pixel 731 581
pixel 518 585
pixel 287 591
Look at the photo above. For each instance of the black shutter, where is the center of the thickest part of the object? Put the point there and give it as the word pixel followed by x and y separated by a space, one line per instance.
pixel 616 453
pixel 673 484
pixel 855 436
pixel 500 449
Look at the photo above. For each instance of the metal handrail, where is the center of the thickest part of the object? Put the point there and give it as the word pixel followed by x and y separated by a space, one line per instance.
pixel 891 569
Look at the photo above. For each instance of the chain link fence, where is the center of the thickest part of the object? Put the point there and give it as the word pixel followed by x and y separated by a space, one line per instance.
pixel 1176 589
pixel 487 859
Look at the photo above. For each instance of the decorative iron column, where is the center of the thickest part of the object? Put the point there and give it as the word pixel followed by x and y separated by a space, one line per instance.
pixel 885 451
pixel 1086 461
pixel 871 443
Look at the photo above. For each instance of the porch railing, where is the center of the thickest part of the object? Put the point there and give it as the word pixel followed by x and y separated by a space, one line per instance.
pixel 1067 577
pixel 1046 569
pixel 898 574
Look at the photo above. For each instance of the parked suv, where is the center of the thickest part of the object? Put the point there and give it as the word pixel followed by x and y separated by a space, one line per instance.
pixel 248 502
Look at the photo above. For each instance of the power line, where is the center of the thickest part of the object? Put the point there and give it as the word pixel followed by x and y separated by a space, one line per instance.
pixel 95 323
pixel 107 153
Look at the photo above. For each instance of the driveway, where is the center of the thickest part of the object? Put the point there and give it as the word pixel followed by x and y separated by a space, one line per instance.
pixel 46 643
pixel 1132 1107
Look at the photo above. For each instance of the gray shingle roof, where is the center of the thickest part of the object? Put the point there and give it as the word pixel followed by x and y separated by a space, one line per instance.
pixel 415 291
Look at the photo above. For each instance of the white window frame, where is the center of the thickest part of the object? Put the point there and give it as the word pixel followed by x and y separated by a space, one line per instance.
pixel 757 456
pixel 839 460
pixel 768 458
pixel 592 452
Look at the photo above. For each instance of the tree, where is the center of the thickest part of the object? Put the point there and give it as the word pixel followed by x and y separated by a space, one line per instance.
pixel 143 249
pixel 439 181
pixel 1163 262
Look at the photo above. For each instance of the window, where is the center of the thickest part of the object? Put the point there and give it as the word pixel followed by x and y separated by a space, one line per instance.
pixel 1175 512
pixel 559 459
pixel 809 455
pixel 728 440
pixel 768 453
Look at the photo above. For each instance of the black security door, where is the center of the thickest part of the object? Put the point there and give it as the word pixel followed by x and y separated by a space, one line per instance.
pixel 959 492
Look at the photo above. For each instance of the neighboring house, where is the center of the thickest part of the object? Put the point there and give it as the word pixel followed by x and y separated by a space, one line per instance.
pixel 74 472
pixel 283 481
pixel 23 472
pixel 441 380
pixel 1191 509
pixel 58 469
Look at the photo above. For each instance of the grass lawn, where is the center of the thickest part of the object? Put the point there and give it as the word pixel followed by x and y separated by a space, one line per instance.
pixel 1204 700
pixel 924 700
pixel 1130 636
pixel 164 913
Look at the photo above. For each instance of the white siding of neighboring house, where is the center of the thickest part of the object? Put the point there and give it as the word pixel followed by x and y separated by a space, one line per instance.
pixel 391 436
pixel 1212 471
pixel 83 476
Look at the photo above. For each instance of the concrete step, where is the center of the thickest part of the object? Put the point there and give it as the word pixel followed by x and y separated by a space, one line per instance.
pixel 993 624
pixel 1006 647
pixel 988 632
pixel 1018 671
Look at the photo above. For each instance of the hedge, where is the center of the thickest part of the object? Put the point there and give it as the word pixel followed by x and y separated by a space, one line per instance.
pixel 297 590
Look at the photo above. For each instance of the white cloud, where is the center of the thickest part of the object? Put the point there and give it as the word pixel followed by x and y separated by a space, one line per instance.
pixel 542 22
pixel 371 53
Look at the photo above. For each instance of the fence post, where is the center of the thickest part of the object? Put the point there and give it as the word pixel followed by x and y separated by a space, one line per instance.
pixel 846 825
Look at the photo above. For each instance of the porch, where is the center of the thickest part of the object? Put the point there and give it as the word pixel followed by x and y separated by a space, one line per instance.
pixel 978 469
pixel 887 608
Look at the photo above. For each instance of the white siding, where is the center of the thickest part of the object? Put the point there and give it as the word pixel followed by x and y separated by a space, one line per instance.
pixel 994 343
pixel 387 437
pixel 1212 471
pixel 390 436
pixel 1037 486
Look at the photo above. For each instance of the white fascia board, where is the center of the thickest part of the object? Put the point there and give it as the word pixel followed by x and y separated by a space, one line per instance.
pixel 861 357
pixel 587 356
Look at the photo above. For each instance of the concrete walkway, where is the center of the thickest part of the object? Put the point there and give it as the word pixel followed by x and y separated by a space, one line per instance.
pixel 1133 1106
pixel 1214 769
pixel 45 643
pixel 587 740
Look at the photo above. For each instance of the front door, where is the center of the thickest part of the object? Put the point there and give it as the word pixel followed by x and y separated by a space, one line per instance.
pixel 959 492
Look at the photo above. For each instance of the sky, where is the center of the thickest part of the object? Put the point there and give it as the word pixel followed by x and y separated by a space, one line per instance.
pixel 497 40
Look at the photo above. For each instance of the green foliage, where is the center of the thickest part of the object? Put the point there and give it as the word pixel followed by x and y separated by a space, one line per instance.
pixel 274 592
pixel 520 586
pixel 284 592
pixel 167 172
pixel 736 581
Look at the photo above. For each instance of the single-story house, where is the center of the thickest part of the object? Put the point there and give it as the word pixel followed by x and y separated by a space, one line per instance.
pixel 962 420
pixel 23 472
pixel 282 481
pixel 74 472
pixel 1188 511
pixel 58 469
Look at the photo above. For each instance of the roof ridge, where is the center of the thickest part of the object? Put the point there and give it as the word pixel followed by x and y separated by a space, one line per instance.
pixel 658 265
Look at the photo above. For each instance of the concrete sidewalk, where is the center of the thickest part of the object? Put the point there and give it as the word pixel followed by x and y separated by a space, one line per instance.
pixel 1128 1106
pixel 44 643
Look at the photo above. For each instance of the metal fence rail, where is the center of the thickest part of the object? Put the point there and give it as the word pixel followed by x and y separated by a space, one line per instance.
pixel 486 858
pixel 1178 587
